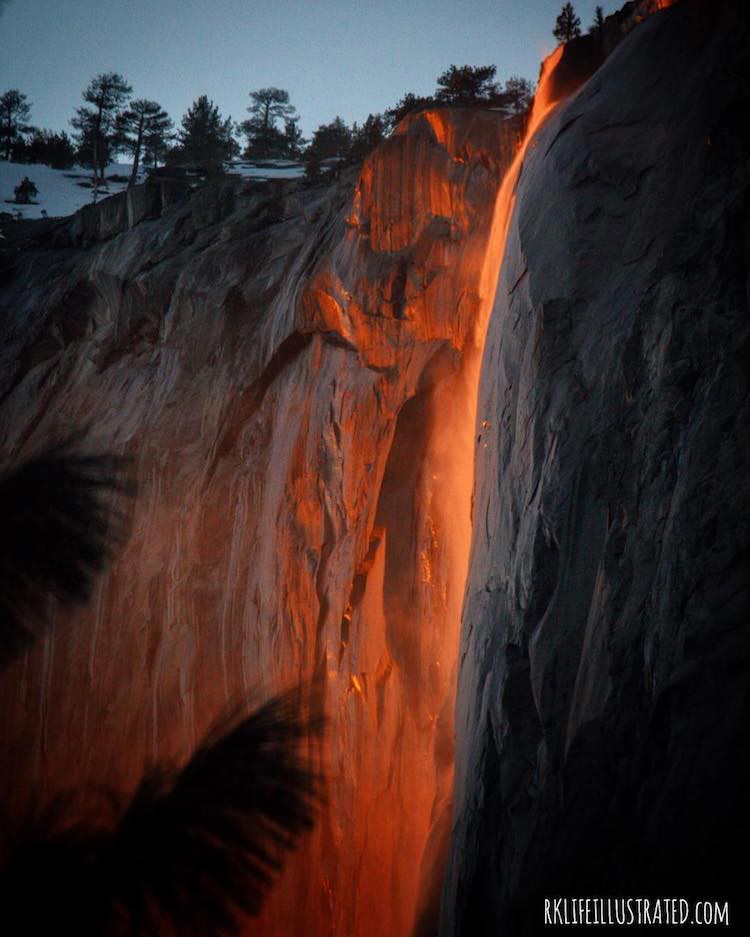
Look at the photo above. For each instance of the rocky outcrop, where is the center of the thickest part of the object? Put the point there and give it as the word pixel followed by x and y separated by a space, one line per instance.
pixel 289 370
pixel 603 692
pixel 99 222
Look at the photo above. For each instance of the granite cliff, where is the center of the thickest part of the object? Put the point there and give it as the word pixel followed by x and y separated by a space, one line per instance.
pixel 292 372
pixel 603 691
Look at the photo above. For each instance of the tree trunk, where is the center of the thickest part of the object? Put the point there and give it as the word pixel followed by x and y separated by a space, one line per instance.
pixel 98 171
pixel 137 154
pixel 9 127
pixel 95 154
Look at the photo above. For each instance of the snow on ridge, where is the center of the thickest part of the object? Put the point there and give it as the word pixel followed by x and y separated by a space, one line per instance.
pixel 61 192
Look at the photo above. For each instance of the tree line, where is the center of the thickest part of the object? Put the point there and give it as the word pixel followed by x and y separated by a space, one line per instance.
pixel 110 121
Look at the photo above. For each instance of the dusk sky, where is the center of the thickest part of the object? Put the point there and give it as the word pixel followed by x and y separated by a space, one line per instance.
pixel 334 57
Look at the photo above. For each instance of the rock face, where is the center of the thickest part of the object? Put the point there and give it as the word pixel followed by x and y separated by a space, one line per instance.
pixel 293 373
pixel 603 691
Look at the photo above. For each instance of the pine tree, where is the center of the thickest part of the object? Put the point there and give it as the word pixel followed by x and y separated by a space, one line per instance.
pixel 45 146
pixel 134 126
pixel 332 140
pixel 367 137
pixel 294 141
pixel 156 144
pixel 14 112
pixel 567 25
pixel 270 107
pixel 329 142
pixel 598 25
pixel 465 84
pixel 518 94
pixel 107 94
pixel 206 138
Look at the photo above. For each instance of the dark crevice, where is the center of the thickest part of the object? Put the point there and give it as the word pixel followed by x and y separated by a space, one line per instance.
pixel 252 396
pixel 359 585
pixel 566 126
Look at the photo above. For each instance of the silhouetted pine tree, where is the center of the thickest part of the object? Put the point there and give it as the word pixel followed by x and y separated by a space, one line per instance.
pixel 206 138
pixel 15 110
pixel 140 120
pixel 366 137
pixel 156 143
pixel 518 94
pixel 330 142
pixel 466 84
pixel 598 24
pixel 294 141
pixel 44 146
pixel 270 110
pixel 106 94
pixel 567 25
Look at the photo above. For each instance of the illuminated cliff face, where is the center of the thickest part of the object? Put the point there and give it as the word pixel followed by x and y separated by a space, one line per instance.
pixel 298 397
pixel 400 297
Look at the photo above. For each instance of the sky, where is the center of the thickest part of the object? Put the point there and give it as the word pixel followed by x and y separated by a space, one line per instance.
pixel 334 57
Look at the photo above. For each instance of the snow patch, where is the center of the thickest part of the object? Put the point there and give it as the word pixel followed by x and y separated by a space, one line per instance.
pixel 63 191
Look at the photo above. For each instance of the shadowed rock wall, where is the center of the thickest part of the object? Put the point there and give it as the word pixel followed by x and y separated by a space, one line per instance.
pixel 603 693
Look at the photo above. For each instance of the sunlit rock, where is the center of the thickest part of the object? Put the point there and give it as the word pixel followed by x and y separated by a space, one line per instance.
pixel 293 373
